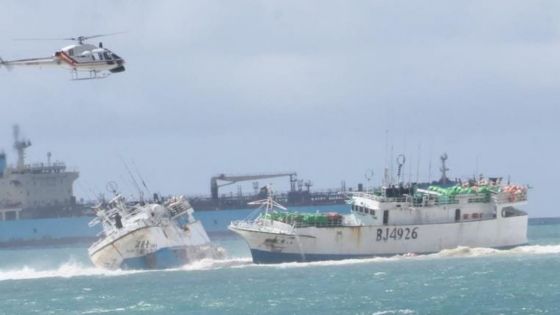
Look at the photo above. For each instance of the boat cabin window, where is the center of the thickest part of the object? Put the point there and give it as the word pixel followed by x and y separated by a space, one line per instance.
pixel 457 215
pixel 71 52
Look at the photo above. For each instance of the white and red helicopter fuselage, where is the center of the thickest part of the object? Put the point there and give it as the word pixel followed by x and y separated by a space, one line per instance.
pixel 80 57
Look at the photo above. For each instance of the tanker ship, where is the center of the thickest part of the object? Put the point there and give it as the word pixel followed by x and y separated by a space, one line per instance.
pixel 40 190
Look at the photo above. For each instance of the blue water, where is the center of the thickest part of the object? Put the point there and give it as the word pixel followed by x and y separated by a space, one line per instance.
pixel 524 280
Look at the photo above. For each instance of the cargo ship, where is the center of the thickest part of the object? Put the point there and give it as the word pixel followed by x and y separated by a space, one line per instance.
pixel 392 220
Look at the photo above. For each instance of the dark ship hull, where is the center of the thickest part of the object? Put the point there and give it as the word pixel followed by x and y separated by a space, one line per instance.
pixel 290 199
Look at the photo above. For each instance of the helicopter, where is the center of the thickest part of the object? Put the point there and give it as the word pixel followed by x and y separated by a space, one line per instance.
pixel 97 61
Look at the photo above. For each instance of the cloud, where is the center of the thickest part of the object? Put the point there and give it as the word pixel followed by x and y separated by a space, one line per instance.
pixel 248 86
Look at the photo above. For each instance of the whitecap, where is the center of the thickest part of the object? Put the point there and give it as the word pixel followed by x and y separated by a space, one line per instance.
pixel 66 270
pixel 390 312
pixel 211 264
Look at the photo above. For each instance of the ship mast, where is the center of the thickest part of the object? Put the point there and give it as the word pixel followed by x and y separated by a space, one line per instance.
pixel 20 145
pixel 443 169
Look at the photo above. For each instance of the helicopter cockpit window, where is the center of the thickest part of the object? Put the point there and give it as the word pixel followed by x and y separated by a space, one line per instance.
pixel 106 55
pixel 100 56
pixel 88 54
pixel 115 56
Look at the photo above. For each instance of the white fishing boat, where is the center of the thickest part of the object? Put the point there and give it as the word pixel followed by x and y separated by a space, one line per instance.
pixel 149 235
pixel 392 220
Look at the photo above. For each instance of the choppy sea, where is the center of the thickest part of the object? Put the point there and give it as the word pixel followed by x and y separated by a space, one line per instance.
pixel 523 280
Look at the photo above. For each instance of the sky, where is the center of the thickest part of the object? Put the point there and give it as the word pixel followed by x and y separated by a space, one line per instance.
pixel 323 88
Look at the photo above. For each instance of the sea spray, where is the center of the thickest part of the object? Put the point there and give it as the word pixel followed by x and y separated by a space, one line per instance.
pixel 72 268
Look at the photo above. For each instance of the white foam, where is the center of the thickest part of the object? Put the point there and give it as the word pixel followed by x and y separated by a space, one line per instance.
pixel 405 311
pixel 461 251
pixel 330 262
pixel 73 269
pixel 481 251
pixel 140 306
pixel 66 270
pixel 211 264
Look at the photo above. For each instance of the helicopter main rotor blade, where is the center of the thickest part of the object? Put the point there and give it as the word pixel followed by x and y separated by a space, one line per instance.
pixel 78 38
pixel 101 35
pixel 38 39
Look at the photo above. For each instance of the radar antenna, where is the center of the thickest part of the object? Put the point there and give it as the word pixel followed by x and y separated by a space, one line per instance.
pixel 20 145
pixel 369 176
pixel 267 204
pixel 443 169
pixel 401 159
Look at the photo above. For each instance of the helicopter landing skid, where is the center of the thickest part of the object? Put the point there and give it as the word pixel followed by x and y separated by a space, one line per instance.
pixel 93 75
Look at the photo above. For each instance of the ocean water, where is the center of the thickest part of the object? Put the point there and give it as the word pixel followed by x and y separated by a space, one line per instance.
pixel 523 280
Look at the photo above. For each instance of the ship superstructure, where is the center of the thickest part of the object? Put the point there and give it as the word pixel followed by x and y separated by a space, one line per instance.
pixel 39 190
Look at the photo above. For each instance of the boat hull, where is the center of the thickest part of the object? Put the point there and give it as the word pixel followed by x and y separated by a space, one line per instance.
pixel 346 242
pixel 154 247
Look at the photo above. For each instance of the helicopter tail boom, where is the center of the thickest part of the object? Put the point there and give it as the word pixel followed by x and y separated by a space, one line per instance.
pixel 3 63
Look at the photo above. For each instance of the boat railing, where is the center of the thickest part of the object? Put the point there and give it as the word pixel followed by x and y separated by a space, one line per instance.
pixel 378 197
pixel 261 225
pixel 318 224
pixel 505 197
pixel 267 223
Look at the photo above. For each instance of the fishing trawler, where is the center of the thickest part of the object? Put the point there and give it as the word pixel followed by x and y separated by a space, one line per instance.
pixel 392 220
pixel 149 236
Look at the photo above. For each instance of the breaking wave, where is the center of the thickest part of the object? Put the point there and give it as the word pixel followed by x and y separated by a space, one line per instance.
pixel 66 270
pixel 390 312
pixel 481 251
pixel 463 252
pixel 73 269
pixel 211 264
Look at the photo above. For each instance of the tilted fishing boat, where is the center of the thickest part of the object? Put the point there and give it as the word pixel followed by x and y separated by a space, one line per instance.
pixel 149 235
